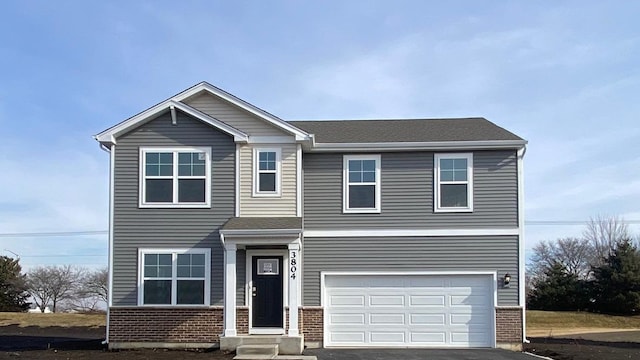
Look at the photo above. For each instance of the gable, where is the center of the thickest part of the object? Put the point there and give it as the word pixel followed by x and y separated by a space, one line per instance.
pixel 233 115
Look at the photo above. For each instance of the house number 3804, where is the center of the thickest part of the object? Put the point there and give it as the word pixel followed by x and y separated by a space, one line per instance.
pixel 293 262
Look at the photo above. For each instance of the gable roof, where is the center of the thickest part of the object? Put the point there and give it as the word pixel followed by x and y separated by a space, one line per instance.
pixel 109 135
pixel 438 133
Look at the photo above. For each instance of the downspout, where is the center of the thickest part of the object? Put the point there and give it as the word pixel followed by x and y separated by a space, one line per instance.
pixel 110 258
pixel 521 276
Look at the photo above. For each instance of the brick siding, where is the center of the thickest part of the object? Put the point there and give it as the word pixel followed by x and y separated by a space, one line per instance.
pixel 312 323
pixel 509 325
pixel 175 325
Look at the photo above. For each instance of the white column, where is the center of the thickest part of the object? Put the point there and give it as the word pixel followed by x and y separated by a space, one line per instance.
pixel 230 290
pixel 294 281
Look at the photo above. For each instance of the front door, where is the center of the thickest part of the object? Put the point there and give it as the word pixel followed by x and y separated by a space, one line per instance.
pixel 266 294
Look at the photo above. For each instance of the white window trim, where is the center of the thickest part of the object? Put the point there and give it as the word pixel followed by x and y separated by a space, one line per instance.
pixel 437 182
pixel 257 171
pixel 174 278
pixel 345 187
pixel 174 204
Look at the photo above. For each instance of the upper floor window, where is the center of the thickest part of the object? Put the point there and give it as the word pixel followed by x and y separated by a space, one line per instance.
pixel 172 177
pixel 266 173
pixel 174 276
pixel 361 175
pixel 454 182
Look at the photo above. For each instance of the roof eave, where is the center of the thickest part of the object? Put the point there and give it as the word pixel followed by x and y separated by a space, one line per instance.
pixel 403 146
pixel 109 136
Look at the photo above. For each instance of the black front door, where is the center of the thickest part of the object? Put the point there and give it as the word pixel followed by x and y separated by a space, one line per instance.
pixel 267 292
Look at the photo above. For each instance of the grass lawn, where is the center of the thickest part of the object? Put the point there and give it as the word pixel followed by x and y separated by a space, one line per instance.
pixel 46 320
pixel 549 323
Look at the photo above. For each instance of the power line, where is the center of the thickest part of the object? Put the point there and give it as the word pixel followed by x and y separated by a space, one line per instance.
pixel 106 232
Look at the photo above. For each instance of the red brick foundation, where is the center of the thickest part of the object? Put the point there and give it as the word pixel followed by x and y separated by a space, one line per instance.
pixel 164 325
pixel 509 325
pixel 312 323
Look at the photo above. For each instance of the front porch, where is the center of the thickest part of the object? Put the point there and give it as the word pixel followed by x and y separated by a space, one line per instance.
pixel 272 284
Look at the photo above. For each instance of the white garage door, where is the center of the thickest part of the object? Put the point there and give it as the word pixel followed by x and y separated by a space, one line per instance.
pixel 409 310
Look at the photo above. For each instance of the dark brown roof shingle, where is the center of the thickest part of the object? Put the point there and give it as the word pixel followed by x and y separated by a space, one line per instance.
pixel 409 130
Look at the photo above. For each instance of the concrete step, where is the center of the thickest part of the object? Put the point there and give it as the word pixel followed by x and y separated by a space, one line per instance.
pixel 261 349
pixel 254 357
pixel 295 357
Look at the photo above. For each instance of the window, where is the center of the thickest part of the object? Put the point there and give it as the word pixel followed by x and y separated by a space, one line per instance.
pixel 174 277
pixel 361 175
pixel 266 179
pixel 175 177
pixel 453 182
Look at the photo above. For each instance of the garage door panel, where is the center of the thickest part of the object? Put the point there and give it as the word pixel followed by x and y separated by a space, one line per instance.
pixel 386 319
pixel 386 300
pixel 427 300
pixel 424 310
pixel 347 300
pixel 387 337
pixel 427 319
pixel 347 319
pixel 428 338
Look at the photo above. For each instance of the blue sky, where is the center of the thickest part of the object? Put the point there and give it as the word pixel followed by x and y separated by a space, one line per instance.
pixel 563 75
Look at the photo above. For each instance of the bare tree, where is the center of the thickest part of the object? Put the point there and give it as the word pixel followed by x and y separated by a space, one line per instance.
pixel 53 284
pixel 92 291
pixel 572 253
pixel 603 233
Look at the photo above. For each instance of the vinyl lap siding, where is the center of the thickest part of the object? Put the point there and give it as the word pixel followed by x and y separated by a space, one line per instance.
pixel 233 116
pixel 407 193
pixel 285 205
pixel 169 228
pixel 478 253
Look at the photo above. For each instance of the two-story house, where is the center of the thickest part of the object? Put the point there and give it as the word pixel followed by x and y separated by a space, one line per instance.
pixel 231 226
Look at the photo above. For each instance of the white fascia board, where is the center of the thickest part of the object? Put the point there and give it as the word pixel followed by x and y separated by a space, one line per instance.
pixel 276 121
pixel 109 136
pixel 402 146
pixel 416 232
pixel 261 232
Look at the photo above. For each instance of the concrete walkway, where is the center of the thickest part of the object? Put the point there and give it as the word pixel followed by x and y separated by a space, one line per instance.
pixel 417 354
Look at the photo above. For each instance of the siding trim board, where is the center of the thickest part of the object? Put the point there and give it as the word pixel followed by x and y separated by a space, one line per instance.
pixel 411 232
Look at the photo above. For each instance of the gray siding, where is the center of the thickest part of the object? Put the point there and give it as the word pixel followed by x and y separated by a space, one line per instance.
pixel 478 253
pixel 407 193
pixel 169 228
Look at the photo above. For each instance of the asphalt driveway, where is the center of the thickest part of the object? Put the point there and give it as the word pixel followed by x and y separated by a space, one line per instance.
pixel 417 354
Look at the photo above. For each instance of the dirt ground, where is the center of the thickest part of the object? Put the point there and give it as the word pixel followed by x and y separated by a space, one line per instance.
pixel 609 345
pixel 33 342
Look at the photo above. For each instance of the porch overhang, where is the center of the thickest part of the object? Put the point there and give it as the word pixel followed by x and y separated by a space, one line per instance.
pixel 240 232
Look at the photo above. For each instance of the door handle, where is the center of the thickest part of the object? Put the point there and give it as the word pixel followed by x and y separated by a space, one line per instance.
pixel 253 291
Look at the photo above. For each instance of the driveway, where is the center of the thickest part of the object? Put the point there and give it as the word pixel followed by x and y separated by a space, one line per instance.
pixel 417 354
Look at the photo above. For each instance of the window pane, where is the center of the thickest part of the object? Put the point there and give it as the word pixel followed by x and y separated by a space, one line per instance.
pixel 267 182
pixel 157 292
pixel 460 175
pixel 197 271
pixel 152 170
pixel 190 292
pixel 446 175
pixel 152 158
pixel 166 170
pixel 191 190
pixel 184 170
pixel 446 164
pixel 197 259
pixel 355 165
pixel 184 158
pixel 362 196
pixel 150 259
pixel 164 259
pixel 369 165
pixel 159 190
pixel 453 195
pixel 184 259
pixel 460 163
pixel 184 271
pixel 151 271
pixel 198 170
pixel 355 176
pixel 166 158
pixel 369 176
pixel 267 160
pixel 165 271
